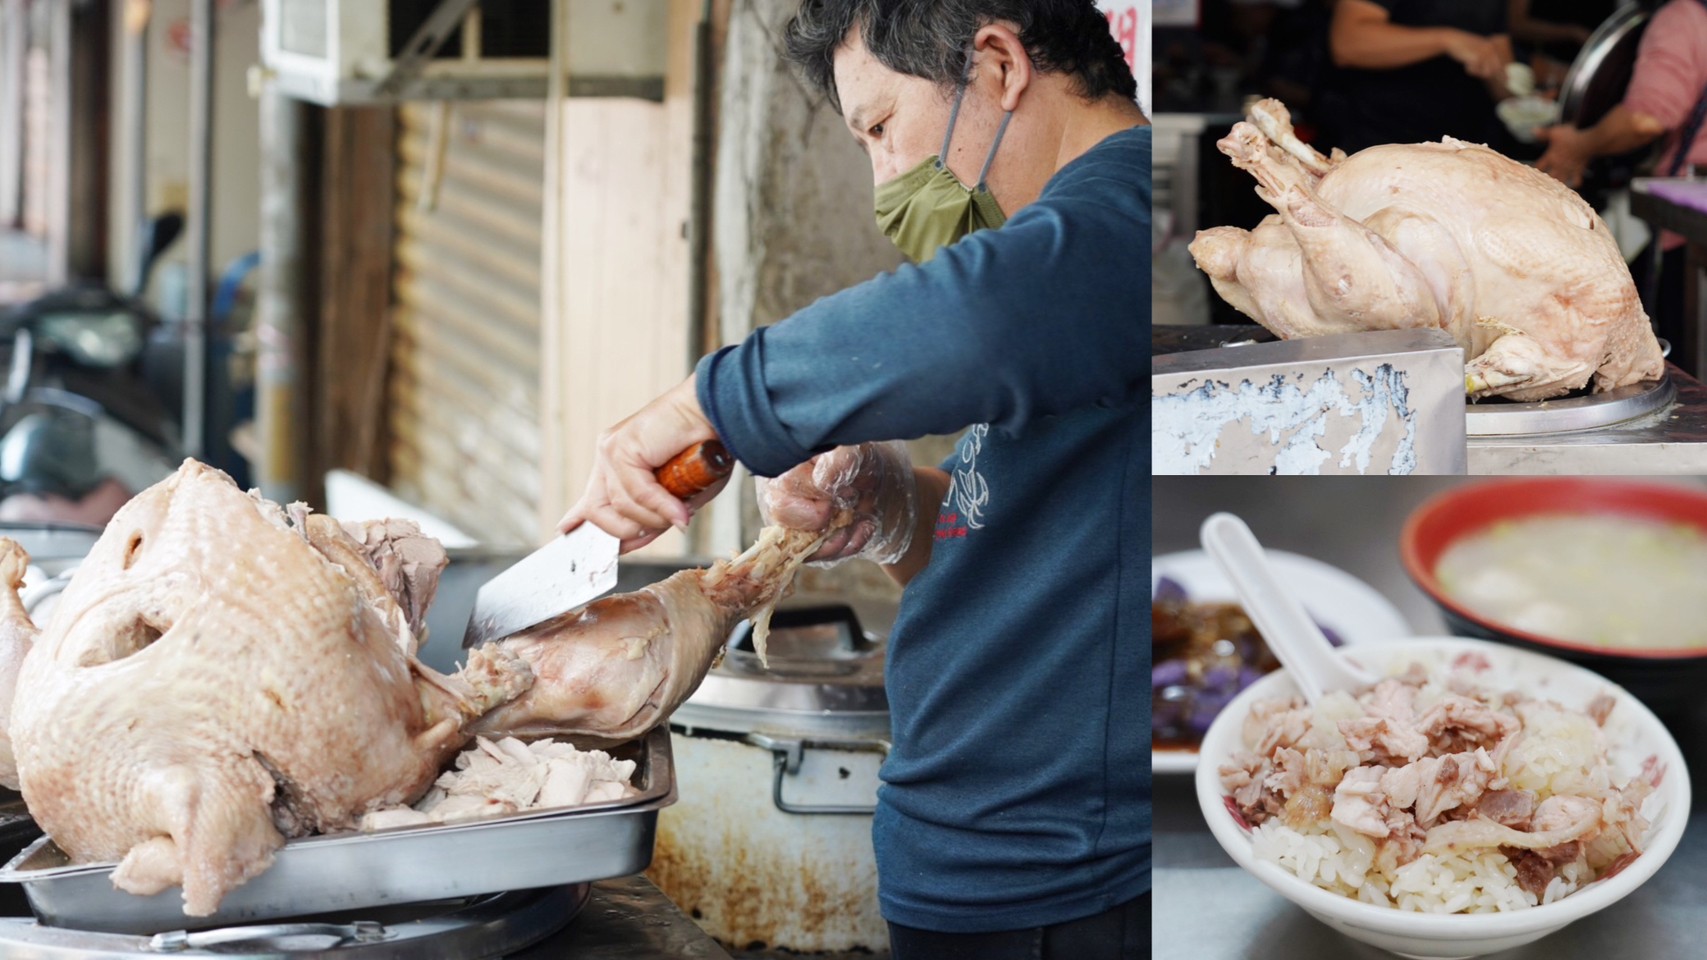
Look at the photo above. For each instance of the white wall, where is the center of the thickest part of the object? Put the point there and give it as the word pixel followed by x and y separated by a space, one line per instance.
pixel 236 131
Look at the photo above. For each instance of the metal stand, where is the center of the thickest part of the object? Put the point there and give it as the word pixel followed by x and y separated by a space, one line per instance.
pixel 134 114
pixel 1663 214
pixel 200 225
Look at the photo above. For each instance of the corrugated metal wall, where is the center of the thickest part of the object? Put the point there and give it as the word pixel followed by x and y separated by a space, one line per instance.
pixel 465 365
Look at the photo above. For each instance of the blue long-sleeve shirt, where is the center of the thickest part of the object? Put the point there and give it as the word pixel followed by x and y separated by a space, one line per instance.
pixel 1017 793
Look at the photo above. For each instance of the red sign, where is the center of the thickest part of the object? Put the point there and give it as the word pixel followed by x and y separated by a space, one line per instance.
pixel 1129 21
pixel 1123 20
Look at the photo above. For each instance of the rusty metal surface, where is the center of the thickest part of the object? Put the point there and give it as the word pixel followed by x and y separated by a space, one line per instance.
pixel 628 919
pixel 757 878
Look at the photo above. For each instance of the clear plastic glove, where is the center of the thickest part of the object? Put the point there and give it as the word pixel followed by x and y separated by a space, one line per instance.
pixel 871 485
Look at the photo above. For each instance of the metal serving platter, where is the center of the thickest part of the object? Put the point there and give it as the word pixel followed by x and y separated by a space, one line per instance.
pixel 476 928
pixel 1588 412
pixel 348 871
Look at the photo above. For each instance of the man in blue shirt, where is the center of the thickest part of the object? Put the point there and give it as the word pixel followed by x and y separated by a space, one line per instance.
pixel 1014 816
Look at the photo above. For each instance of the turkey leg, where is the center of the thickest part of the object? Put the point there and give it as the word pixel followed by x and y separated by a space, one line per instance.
pixel 1351 275
pixel 1520 367
pixel 215 830
pixel 1275 122
pixel 619 666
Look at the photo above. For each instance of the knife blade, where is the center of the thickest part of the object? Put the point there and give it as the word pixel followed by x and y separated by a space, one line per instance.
pixel 580 566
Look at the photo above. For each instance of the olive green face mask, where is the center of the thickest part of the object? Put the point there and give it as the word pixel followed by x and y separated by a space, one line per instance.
pixel 928 208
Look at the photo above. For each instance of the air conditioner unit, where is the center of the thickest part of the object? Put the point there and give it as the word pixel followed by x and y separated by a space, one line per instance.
pixel 337 52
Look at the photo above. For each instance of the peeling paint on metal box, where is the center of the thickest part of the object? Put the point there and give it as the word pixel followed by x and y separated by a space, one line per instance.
pixel 1372 402
pixel 1355 420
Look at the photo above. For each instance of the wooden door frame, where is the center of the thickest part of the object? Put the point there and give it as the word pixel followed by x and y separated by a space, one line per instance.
pixel 568 426
pixel 14 42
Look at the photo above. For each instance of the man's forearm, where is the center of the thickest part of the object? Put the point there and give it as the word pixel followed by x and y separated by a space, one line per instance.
pixel 1384 46
pixel 932 488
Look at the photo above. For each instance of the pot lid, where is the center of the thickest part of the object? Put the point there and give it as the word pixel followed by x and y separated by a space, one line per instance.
pixel 825 672
pixel 1597 80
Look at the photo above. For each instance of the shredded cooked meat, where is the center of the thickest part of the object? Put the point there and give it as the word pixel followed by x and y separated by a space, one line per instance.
pixel 1600 708
pixel 1390 732
pixel 1246 778
pixel 1558 820
pixel 1430 768
pixel 1273 724
pixel 1451 781
pixel 509 776
pixel 1460 723
pixel 1513 808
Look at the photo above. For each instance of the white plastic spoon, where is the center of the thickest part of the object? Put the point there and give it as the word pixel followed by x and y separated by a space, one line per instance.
pixel 1297 642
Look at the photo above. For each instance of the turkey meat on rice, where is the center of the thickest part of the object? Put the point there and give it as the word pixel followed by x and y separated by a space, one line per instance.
pixel 1431 794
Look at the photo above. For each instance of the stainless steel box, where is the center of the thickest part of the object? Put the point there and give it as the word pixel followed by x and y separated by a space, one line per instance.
pixel 1384 402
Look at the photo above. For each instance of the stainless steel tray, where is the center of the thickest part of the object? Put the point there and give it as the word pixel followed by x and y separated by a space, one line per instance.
pixel 478 928
pixel 348 871
pixel 1586 412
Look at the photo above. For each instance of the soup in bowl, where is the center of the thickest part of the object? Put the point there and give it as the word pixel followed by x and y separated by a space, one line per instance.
pixel 1608 574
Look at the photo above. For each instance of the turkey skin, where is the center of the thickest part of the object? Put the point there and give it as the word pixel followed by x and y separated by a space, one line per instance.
pixel 1451 235
pixel 223 674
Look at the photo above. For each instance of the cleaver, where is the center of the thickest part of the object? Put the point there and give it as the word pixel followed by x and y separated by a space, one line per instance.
pixel 579 566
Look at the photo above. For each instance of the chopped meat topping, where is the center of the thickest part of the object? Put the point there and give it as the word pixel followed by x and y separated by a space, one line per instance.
pixel 1444 767
pixel 1513 808
pixel 1601 707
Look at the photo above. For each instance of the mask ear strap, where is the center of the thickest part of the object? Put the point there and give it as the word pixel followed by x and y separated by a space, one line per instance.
pixel 990 158
pixel 948 136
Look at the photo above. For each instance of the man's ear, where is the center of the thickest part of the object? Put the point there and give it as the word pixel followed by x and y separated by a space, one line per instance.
pixel 998 49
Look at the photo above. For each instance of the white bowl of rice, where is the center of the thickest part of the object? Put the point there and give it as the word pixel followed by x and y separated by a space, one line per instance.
pixel 1553 751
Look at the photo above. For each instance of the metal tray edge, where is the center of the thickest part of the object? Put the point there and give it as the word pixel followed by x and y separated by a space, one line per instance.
pixel 660 760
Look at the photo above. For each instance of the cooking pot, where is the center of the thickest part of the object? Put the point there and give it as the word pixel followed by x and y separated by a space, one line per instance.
pixel 769 845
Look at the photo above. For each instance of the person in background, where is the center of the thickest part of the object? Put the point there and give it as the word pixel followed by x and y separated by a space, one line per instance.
pixel 1012 165
pixel 1557 29
pixel 1415 70
pixel 1667 97
pixel 1289 47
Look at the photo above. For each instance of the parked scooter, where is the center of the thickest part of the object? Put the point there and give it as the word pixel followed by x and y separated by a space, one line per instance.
pixel 81 430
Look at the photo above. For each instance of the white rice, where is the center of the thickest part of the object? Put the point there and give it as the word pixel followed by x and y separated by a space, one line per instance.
pixel 1561 751
pixel 1336 859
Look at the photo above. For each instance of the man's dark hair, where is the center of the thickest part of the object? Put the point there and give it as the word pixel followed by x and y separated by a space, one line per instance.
pixel 930 39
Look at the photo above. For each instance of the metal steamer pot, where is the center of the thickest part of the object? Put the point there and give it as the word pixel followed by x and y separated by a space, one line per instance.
pixel 769 845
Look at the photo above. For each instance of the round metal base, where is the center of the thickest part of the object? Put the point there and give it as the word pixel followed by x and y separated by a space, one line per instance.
pixel 1498 418
pixel 482 928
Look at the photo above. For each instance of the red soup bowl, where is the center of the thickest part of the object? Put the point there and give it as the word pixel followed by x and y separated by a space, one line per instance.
pixel 1667 679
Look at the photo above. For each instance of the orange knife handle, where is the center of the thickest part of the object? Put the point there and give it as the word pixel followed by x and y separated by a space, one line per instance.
pixel 696 469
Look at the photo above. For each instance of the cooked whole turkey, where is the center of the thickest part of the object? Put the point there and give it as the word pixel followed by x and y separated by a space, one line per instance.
pixel 1513 264
pixel 222 674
